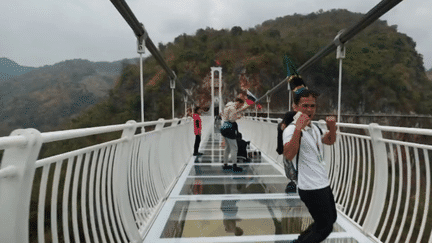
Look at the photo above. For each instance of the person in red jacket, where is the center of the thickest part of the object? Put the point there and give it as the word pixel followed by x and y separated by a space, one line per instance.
pixel 197 129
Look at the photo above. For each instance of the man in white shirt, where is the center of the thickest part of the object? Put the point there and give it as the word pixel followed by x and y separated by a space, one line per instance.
pixel 313 182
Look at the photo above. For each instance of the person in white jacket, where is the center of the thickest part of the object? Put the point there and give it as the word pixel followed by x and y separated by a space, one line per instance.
pixel 229 131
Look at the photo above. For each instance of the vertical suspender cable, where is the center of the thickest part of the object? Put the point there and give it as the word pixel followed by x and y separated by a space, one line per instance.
pixel 142 88
pixel 340 54
pixel 172 84
pixel 340 91
pixel 141 49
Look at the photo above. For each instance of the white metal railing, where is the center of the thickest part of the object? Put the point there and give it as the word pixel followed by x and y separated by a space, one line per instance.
pixel 106 192
pixel 381 184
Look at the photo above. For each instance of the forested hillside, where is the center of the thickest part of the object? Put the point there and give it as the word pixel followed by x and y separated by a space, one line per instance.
pixel 382 71
pixel 45 97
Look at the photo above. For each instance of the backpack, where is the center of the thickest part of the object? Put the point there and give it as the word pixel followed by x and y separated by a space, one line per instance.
pixel 229 130
pixel 287 119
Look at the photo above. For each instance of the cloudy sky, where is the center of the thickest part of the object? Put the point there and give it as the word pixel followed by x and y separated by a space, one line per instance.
pixel 44 32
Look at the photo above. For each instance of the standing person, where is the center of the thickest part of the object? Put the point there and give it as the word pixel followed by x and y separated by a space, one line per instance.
pixel 197 130
pixel 229 131
pixel 313 183
pixel 242 148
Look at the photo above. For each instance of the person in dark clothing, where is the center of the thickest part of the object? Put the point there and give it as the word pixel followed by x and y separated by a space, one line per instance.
pixel 242 148
pixel 197 130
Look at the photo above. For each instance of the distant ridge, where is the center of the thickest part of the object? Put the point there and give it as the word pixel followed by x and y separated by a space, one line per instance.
pixel 10 69
pixel 44 97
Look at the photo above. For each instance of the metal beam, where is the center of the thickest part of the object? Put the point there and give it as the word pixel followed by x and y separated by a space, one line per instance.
pixel 139 31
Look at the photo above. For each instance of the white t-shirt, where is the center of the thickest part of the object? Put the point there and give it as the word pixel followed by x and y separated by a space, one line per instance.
pixel 312 174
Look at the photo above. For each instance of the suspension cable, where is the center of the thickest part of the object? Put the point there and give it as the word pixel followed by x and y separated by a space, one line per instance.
pixel 380 9
pixel 139 31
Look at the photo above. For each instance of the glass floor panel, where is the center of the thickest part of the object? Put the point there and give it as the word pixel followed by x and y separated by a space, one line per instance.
pixel 212 205
pixel 218 158
pixel 214 218
pixel 334 240
pixel 248 169
pixel 234 185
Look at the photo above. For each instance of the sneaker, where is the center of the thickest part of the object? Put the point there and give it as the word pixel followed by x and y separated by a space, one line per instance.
pixel 197 154
pixel 226 167
pixel 237 169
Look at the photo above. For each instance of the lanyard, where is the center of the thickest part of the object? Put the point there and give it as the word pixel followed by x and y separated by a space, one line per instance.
pixel 315 137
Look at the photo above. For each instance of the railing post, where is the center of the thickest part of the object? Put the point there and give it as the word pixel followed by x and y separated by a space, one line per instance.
pixel 379 191
pixel 15 190
pixel 121 184
pixel 160 125
pixel 175 122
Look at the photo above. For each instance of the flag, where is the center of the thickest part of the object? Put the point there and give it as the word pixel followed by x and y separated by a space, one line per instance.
pixel 289 66
pixel 250 98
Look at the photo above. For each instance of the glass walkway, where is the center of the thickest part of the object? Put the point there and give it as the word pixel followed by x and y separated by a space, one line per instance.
pixel 147 187
pixel 209 204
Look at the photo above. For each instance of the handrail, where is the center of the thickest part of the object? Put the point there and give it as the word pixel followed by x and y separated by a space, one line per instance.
pixel 74 133
pixel 6 142
pixel 111 179
pixel 373 14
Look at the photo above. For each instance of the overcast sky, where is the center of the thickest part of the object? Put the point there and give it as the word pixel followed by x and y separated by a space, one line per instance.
pixel 44 32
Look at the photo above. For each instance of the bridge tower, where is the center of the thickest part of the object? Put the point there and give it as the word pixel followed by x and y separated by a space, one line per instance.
pixel 219 86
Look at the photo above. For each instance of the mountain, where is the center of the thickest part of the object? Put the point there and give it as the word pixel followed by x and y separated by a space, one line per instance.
pixel 382 71
pixel 45 97
pixel 10 69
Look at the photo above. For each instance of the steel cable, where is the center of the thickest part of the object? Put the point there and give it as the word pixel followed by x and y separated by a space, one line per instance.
pixel 373 14
pixel 140 32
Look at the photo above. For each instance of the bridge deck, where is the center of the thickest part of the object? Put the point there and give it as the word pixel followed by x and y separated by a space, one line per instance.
pixel 207 203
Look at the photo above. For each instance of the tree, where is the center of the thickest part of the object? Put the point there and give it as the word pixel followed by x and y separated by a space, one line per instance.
pixel 236 31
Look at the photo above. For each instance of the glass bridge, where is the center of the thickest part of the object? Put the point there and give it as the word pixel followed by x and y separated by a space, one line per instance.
pixel 145 186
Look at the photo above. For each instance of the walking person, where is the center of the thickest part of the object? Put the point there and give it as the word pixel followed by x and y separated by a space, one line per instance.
pixel 197 130
pixel 229 131
pixel 305 140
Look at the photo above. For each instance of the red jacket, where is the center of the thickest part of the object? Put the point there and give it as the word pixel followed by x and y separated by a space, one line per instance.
pixel 197 124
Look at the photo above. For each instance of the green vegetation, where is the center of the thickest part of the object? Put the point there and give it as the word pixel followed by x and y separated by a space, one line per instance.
pixel 382 71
